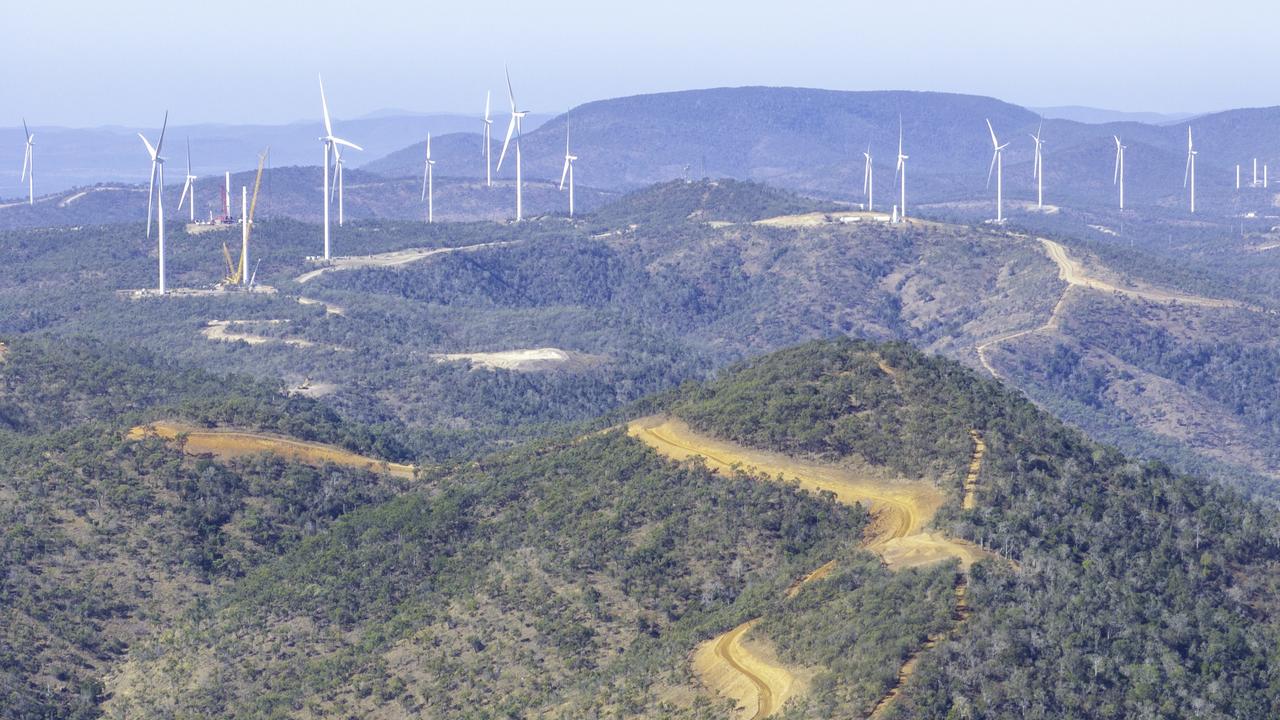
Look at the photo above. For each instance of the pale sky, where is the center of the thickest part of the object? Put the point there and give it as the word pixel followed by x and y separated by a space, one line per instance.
pixel 125 62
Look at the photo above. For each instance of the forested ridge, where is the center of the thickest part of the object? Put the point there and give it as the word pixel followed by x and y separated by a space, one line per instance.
pixel 104 540
pixel 573 577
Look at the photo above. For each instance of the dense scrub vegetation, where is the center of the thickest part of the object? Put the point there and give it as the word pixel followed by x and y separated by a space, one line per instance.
pixel 568 580
pixel 1140 592
pixel 103 539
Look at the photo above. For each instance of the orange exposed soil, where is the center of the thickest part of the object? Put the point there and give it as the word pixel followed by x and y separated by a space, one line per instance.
pixel 901 510
pixel 225 443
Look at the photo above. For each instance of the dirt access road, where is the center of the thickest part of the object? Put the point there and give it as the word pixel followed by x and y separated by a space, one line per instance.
pixel 391 259
pixel 227 443
pixel 901 510
pixel 1076 275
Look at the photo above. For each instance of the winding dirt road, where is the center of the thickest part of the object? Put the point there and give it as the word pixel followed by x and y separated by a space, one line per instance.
pixel 900 510
pixel 1076 275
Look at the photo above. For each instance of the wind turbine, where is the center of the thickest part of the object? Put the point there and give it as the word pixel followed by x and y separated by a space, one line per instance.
pixel 569 159
pixel 189 186
pixel 517 116
pixel 997 164
pixel 157 169
pixel 28 164
pixel 331 143
pixel 900 174
pixel 488 142
pixel 868 180
pixel 428 183
pixel 1038 170
pixel 1190 174
pixel 339 183
pixel 1118 179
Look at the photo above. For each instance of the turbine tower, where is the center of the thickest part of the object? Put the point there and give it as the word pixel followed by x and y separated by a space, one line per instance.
pixel 157 169
pixel 189 186
pixel 868 180
pixel 1190 176
pixel 517 118
pixel 569 159
pixel 900 174
pixel 1038 169
pixel 997 165
pixel 331 143
pixel 1118 179
pixel 488 141
pixel 28 164
pixel 428 183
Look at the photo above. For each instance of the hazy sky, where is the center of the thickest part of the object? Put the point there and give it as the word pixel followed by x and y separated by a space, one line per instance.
pixel 97 62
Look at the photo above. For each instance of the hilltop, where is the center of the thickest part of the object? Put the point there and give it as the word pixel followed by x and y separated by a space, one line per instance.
pixel 811 141
pixel 579 576
pixel 477 335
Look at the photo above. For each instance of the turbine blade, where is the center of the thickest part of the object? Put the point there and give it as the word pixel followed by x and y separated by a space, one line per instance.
pixel 565 172
pixel 165 126
pixel 25 130
pixel 510 129
pixel 188 155
pixel 487 96
pixel 324 105
pixel 994 142
pixel 1116 178
pixel 151 193
pixel 426 169
pixel 511 94
pixel 26 159
pixel 353 146
pixel 150 150
pixel 185 187
pixel 1186 175
pixel 992 169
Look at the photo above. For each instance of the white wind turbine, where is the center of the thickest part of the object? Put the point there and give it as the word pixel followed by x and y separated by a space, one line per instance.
pixel 868 180
pixel 331 143
pixel 1038 170
pixel 517 117
pixel 488 142
pixel 189 187
pixel 28 164
pixel 157 169
pixel 428 183
pixel 1118 179
pixel 900 174
pixel 997 165
pixel 569 159
pixel 1190 176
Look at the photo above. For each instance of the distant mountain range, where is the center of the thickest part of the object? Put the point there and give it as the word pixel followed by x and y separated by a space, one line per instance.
pixel 73 157
pixel 812 141
pixel 809 141
pixel 1084 114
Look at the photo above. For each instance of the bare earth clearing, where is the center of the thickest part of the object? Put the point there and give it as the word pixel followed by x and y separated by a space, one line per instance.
pixel 527 359
pixel 227 443
pixel 390 259
pixel 901 510
pixel 224 331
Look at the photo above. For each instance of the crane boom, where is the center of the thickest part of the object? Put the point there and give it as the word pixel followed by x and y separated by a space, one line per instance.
pixel 242 271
